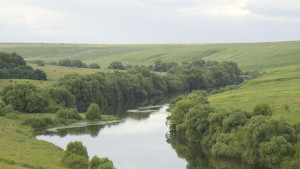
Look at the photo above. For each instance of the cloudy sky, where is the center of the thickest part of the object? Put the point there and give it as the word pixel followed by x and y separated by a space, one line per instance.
pixel 149 21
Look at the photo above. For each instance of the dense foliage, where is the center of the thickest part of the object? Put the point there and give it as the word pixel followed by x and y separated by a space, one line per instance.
pixel 76 63
pixel 116 65
pixel 106 89
pixel 255 137
pixel 76 157
pixel 13 66
pixel 113 88
pixel 25 98
pixel 93 112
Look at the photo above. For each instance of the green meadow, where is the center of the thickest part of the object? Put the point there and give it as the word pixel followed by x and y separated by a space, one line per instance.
pixel 249 56
pixel 280 88
pixel 20 149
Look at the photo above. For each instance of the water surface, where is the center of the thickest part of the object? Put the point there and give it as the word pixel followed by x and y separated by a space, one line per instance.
pixel 136 142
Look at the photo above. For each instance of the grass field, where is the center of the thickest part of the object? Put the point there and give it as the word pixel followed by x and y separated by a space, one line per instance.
pixel 278 88
pixel 249 56
pixel 20 149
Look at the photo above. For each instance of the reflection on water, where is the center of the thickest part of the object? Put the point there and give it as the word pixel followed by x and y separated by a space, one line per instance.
pixel 137 142
pixel 141 140
pixel 198 157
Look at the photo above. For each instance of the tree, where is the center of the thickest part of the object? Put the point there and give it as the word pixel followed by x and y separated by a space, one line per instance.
pixel 40 63
pixel 262 109
pixel 116 65
pixel 93 112
pixel 275 151
pixel 38 75
pixel 68 114
pixel 94 66
pixel 76 147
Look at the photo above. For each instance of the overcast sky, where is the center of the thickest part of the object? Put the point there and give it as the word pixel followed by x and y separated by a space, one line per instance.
pixel 149 21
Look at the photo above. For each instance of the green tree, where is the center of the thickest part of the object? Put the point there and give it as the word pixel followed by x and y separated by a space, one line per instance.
pixel 262 109
pixel 116 65
pixel 76 147
pixel 93 112
pixel 94 66
pixel 275 151
pixel 69 113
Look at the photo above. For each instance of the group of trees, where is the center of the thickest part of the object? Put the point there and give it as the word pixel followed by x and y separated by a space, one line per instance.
pixel 13 66
pixel 76 157
pixel 108 89
pixel 255 137
pixel 76 63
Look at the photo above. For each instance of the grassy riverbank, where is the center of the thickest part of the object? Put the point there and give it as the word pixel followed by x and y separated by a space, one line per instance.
pixel 20 149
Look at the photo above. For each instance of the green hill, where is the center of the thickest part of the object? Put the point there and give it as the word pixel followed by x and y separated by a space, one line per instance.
pixel 279 86
pixel 249 56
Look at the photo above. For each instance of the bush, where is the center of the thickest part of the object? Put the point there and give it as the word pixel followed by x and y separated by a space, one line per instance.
pixel 94 66
pixel 40 63
pixel 68 114
pixel 100 163
pixel 116 65
pixel 77 148
pixel 38 124
pixel 75 161
pixel 76 156
pixel 93 112
pixel 262 109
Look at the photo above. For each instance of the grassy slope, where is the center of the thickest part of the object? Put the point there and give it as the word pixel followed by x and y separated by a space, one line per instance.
pixel 278 88
pixel 250 56
pixel 17 143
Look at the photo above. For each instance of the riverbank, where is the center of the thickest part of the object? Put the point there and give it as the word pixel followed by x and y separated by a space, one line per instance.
pixel 20 149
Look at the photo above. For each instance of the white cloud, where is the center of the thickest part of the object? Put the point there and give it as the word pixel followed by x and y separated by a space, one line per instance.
pixel 275 8
pixel 148 21
pixel 30 17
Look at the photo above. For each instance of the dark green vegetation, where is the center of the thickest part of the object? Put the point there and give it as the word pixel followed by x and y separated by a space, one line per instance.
pixel 13 66
pixel 108 89
pixel 75 63
pixel 93 112
pixel 255 137
pixel 76 157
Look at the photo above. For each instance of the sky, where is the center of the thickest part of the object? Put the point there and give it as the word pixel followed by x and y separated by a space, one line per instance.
pixel 149 21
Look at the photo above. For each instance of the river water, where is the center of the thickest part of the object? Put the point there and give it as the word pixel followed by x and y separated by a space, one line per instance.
pixel 139 141
pixel 135 142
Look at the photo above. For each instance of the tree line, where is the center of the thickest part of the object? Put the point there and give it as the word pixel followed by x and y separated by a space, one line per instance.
pixel 75 63
pixel 109 89
pixel 13 66
pixel 254 137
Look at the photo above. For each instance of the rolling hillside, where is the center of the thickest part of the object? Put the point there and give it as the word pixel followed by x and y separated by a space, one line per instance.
pixel 279 86
pixel 249 56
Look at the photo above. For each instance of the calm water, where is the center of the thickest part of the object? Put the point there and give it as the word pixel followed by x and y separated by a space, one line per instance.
pixel 136 142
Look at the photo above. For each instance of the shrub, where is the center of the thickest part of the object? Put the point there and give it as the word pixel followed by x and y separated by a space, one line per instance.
pixel 93 112
pixel 100 163
pixel 77 148
pixel 262 109
pixel 75 161
pixel 116 65
pixel 94 66
pixel 38 124
pixel 68 114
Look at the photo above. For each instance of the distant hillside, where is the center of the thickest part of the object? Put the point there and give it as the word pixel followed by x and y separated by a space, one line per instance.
pixel 249 56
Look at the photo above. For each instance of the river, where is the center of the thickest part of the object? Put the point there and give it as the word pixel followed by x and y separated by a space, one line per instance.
pixel 138 141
